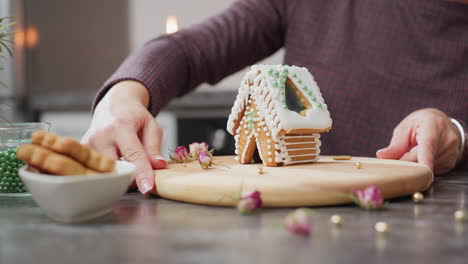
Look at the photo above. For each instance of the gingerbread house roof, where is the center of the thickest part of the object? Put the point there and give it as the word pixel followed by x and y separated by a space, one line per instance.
pixel 286 97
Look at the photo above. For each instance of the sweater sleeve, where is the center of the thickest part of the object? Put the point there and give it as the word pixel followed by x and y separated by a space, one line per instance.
pixel 172 65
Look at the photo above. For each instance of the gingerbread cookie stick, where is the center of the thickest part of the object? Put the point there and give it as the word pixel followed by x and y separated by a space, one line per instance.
pixel 73 149
pixel 50 161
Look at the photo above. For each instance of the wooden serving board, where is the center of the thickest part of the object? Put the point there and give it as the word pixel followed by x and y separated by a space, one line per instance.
pixel 325 182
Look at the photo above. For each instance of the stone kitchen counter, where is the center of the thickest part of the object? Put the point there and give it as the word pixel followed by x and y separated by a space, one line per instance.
pixel 152 230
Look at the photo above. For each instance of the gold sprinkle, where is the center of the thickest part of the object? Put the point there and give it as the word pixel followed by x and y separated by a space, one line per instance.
pixel 418 197
pixel 460 215
pixel 260 170
pixel 358 165
pixel 382 227
pixel 336 220
pixel 343 157
pixel 184 165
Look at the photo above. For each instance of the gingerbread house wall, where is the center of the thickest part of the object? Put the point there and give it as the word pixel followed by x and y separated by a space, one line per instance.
pixel 257 137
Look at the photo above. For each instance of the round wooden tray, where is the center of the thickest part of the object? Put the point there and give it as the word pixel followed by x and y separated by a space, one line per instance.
pixel 325 182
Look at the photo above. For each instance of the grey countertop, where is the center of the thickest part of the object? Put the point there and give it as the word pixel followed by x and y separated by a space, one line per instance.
pixel 152 230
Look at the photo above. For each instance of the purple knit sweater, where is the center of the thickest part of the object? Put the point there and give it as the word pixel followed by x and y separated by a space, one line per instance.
pixel 375 61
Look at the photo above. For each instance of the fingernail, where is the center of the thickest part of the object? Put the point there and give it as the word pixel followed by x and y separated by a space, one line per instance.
pixel 380 150
pixel 159 157
pixel 145 187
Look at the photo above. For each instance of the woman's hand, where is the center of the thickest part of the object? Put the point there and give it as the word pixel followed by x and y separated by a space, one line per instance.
pixel 426 136
pixel 123 127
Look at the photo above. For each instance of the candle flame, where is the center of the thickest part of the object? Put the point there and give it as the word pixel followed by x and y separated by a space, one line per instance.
pixel 171 24
pixel 28 37
pixel 32 37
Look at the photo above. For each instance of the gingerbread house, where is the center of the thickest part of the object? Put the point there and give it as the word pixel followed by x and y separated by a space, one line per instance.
pixel 277 116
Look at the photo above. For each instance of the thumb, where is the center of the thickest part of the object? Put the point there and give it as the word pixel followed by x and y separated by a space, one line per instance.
pixel 151 139
pixel 399 144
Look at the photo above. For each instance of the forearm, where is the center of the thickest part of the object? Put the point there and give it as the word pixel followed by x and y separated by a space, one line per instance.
pixel 172 65
pixel 127 92
pixel 156 67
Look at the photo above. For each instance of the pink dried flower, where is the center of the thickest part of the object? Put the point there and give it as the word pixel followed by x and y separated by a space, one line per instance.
pixel 249 202
pixel 180 154
pixel 205 160
pixel 370 198
pixel 196 148
pixel 299 222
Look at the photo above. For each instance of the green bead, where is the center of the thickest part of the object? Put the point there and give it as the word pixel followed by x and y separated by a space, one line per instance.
pixel 17 179
pixel 286 70
pixel 275 84
pixel 299 81
pixel 282 86
pixel 250 126
pixel 7 174
pixel 309 92
pixel 313 98
pixel 319 105
pixel 304 87
pixel 294 75
pixel 283 99
pixel 285 74
pixel 270 71
pixel 13 184
pixel 277 73
pixel 283 80
pixel 285 107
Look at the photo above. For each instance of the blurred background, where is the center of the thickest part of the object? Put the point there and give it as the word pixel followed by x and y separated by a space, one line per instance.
pixel 64 50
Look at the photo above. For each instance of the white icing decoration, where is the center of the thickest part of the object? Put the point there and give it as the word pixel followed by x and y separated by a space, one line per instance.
pixel 270 108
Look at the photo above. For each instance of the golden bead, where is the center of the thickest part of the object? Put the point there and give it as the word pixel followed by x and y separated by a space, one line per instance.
pixel 418 197
pixel 358 165
pixel 336 220
pixel 382 227
pixel 342 157
pixel 260 170
pixel 460 215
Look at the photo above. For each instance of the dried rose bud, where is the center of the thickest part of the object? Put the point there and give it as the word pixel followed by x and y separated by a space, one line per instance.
pixel 180 154
pixel 196 148
pixel 249 202
pixel 370 198
pixel 205 160
pixel 299 222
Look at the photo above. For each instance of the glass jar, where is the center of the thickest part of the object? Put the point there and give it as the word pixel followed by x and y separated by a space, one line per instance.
pixel 11 136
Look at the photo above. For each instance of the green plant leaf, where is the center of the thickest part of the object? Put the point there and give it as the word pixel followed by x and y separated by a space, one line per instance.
pixel 6 47
pixel 7 25
pixel 3 84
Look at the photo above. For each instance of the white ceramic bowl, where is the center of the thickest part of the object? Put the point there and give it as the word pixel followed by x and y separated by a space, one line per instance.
pixel 78 198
